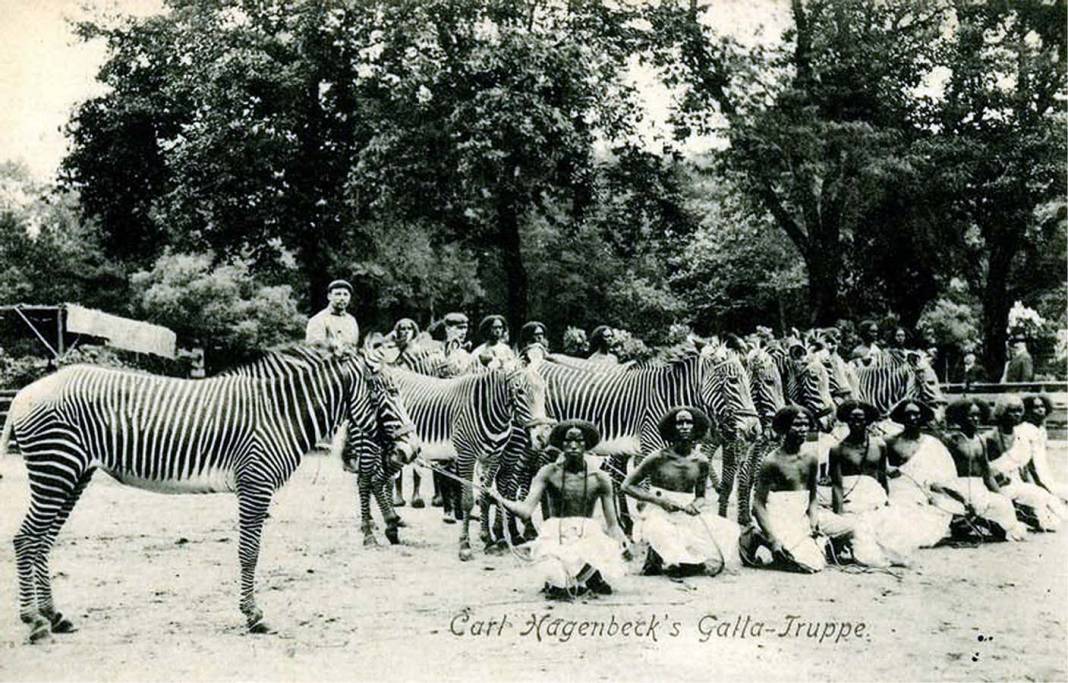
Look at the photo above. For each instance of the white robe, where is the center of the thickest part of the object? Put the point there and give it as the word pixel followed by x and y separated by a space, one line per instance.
pixel 681 538
pixel 565 545
pixel 788 521
pixel 1048 509
pixel 1038 439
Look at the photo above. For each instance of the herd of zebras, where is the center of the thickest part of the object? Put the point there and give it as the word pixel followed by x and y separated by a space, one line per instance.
pixel 245 431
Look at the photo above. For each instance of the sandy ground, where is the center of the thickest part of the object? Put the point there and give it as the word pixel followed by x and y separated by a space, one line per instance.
pixel 152 582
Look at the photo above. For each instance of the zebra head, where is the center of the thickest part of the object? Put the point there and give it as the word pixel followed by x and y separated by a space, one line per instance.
pixel 924 385
pixel 807 382
pixel 527 391
pixel 765 384
pixel 377 408
pixel 841 377
pixel 725 392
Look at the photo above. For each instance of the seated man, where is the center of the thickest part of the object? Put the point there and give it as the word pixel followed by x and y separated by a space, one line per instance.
pixel 573 552
pixel 975 484
pixel 1009 453
pixel 684 537
pixel 859 488
pixel 786 510
pixel 917 466
pixel 1037 408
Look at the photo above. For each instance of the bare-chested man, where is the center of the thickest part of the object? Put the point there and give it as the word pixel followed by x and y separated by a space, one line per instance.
pixel 786 510
pixel 976 484
pixel 858 454
pixel 685 537
pixel 573 551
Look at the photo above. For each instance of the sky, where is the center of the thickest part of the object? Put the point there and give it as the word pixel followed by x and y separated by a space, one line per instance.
pixel 45 70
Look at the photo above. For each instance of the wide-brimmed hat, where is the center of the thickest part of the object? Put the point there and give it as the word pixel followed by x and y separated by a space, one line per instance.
pixel 871 413
pixel 589 433
pixel 701 423
pixel 786 416
pixel 338 284
pixel 897 413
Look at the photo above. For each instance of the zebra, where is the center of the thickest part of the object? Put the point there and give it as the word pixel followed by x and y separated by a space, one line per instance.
pixel 765 381
pixel 626 403
pixel 472 418
pixel 885 384
pixel 805 380
pixel 244 434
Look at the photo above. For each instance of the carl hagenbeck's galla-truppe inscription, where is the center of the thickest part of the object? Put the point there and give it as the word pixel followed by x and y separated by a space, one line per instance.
pixel 545 626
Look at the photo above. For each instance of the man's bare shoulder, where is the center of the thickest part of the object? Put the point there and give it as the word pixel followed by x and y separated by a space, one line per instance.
pixel 602 479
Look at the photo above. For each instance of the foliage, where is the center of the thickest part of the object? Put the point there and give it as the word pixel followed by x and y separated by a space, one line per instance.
pixel 947 323
pixel 575 342
pixel 47 254
pixel 220 304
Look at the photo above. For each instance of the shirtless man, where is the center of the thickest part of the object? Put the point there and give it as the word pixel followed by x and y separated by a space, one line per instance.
pixel 574 553
pixel 976 484
pixel 785 507
pixel 858 454
pixel 684 537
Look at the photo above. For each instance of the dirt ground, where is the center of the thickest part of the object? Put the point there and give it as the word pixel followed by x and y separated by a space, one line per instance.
pixel 152 582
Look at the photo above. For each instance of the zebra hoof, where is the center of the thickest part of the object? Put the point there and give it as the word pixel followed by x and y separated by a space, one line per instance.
pixel 465 553
pixel 40 629
pixel 392 536
pixel 369 541
pixel 437 501
pixel 61 624
pixel 418 503
pixel 398 502
pixel 261 628
pixel 497 548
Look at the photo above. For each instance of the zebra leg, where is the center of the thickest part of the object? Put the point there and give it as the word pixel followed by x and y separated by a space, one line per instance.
pixel 398 490
pixel 417 499
pixel 252 504
pixel 616 464
pixel 746 475
pixel 48 496
pixel 726 485
pixel 45 606
pixel 465 466
pixel 389 515
pixel 363 484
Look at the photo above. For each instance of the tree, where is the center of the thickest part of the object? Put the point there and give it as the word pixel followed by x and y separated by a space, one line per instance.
pixel 486 113
pixel 1003 147
pixel 821 127
pixel 223 306
pixel 48 255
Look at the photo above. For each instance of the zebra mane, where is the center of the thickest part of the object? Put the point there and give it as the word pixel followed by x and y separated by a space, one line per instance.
pixel 265 362
pixel 693 347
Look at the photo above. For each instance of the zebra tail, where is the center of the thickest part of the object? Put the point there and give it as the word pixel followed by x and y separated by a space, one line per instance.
pixel 7 436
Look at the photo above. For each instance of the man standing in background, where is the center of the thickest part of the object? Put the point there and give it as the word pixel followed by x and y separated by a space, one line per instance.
pixel 333 326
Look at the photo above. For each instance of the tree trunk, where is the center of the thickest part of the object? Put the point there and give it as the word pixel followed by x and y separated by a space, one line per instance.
pixel 823 265
pixel 996 307
pixel 510 244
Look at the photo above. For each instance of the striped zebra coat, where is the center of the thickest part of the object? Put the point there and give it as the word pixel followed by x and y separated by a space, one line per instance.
pixel 239 434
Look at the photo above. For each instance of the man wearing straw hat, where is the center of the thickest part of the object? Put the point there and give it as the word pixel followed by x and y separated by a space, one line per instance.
pixel 685 536
pixel 573 552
